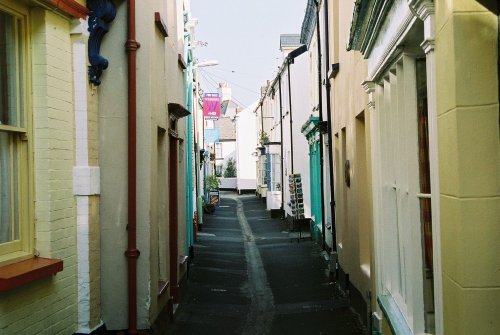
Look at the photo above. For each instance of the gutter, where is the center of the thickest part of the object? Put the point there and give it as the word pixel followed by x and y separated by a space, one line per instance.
pixel 68 7
pixel 132 252
pixel 356 21
pixel 308 23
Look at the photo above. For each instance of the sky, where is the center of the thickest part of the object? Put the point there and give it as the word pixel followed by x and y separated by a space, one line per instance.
pixel 244 36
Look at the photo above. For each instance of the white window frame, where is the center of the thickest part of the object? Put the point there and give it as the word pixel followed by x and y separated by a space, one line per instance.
pixel 275 172
pixel 397 191
pixel 262 170
pixel 218 150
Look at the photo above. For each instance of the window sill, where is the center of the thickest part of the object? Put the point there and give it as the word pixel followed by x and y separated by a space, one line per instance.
pixel 23 272
pixel 162 286
pixel 395 318
pixel 183 259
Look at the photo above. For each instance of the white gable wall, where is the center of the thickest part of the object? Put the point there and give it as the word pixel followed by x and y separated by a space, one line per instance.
pixel 246 143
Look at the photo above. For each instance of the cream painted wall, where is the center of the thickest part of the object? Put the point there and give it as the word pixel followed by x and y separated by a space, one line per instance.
pixel 469 159
pixel 159 81
pixel 299 80
pixel 113 160
pixel 349 101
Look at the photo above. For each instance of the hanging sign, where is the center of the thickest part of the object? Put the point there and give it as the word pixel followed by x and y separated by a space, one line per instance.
pixel 212 135
pixel 211 106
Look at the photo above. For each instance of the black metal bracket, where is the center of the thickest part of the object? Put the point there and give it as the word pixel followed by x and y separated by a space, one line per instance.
pixel 101 13
pixel 323 127
pixel 334 70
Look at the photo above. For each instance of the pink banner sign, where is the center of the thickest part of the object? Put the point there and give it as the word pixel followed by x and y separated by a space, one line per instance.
pixel 211 105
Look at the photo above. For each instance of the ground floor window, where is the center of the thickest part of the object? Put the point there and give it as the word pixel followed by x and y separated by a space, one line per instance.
pixel 218 169
pixel 262 170
pixel 404 223
pixel 273 172
pixel 14 137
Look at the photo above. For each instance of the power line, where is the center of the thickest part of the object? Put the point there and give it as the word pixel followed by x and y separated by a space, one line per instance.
pixel 207 82
pixel 213 85
pixel 217 76
pixel 208 79
pixel 234 72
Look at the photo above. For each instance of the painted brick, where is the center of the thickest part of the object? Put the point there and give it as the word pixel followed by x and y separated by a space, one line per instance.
pixel 49 306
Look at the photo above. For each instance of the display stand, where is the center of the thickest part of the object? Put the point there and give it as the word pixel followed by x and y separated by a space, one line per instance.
pixel 298 224
pixel 214 197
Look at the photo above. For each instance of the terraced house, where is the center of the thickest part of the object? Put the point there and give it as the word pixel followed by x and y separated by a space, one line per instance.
pixel 394 102
pixel 404 96
pixel 39 57
pixel 94 142
pixel 432 86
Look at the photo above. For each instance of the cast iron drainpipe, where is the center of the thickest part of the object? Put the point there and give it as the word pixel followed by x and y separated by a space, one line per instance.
pixel 291 115
pixel 330 139
pixel 320 110
pixel 261 118
pixel 281 136
pixel 132 252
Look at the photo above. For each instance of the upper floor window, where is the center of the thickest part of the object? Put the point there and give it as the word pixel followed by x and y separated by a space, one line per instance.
pixel 14 137
pixel 11 71
pixel 218 150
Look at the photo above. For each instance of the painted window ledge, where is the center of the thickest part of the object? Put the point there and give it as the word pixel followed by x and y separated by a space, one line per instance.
pixel 394 316
pixel 162 286
pixel 23 272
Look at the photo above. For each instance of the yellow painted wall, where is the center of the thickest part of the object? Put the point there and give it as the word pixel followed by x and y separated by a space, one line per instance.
pixel 469 159
pixel 349 102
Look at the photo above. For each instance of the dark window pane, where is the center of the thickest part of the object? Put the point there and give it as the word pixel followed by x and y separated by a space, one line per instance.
pixel 10 70
pixel 5 188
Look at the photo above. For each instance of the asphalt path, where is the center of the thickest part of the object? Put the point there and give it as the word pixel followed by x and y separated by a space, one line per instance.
pixel 251 276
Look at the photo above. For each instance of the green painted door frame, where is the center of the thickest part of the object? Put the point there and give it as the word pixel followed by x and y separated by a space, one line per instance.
pixel 188 101
pixel 311 132
pixel 315 172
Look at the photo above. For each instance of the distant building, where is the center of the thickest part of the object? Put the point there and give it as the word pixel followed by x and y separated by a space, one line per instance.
pixel 223 147
pixel 246 149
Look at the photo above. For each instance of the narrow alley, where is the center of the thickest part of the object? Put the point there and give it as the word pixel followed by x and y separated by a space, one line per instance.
pixel 250 276
pixel 172 167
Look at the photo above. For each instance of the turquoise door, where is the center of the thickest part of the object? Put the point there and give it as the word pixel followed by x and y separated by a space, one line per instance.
pixel 314 165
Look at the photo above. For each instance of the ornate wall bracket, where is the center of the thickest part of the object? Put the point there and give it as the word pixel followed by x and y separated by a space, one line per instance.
pixel 101 13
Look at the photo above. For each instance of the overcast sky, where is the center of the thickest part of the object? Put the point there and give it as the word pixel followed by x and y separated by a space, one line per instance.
pixel 244 36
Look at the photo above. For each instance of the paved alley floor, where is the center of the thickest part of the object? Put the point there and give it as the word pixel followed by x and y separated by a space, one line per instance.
pixel 249 277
